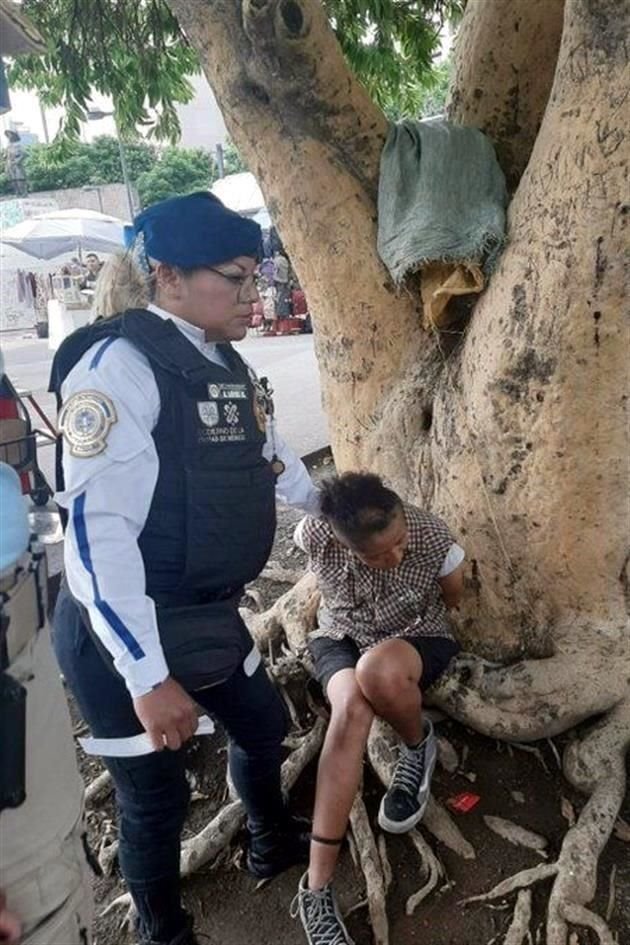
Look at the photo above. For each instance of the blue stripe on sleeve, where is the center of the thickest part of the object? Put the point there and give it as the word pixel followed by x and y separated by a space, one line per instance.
pixel 110 615
pixel 101 351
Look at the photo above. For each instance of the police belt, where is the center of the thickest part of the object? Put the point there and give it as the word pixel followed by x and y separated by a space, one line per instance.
pixel 204 642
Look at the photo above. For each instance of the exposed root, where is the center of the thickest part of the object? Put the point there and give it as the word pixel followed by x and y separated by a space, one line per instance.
pixel 612 892
pixel 209 842
pixel 439 822
pixel 293 615
pixel 516 835
pixel 580 915
pixel 432 868
pixel 372 870
pixel 99 787
pixel 446 755
pixel 128 921
pixel 521 880
pixel 107 855
pixel 382 748
pixel 388 876
pixel 519 926
pixel 622 830
pixel 535 699
pixel 596 764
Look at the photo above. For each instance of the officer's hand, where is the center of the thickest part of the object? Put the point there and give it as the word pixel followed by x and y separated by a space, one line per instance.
pixel 168 714
pixel 10 928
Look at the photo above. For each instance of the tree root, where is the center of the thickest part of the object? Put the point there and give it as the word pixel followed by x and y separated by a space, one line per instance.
pixel 293 615
pixel 596 764
pixel 388 876
pixel 127 923
pixel 431 867
pixel 516 835
pixel 519 926
pixel 535 699
pixel 209 842
pixel 99 787
pixel 372 870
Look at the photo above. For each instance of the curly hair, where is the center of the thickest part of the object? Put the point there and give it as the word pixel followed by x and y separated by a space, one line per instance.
pixel 358 504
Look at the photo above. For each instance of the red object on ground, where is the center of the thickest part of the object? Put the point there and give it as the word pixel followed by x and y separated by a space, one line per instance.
pixel 463 803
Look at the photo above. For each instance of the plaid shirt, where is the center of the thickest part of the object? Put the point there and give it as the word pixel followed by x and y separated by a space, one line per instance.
pixel 369 605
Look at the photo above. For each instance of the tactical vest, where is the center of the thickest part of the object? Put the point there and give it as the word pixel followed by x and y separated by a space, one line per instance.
pixel 212 520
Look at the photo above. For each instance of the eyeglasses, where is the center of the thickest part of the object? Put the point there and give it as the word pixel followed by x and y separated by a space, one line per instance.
pixel 239 282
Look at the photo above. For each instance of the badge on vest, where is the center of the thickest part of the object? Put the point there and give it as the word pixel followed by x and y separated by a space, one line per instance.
pixel 208 412
pixel 85 422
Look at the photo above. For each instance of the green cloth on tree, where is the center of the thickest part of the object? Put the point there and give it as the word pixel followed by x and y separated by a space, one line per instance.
pixel 441 198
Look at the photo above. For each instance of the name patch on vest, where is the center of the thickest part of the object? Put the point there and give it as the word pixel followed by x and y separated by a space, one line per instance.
pixel 227 391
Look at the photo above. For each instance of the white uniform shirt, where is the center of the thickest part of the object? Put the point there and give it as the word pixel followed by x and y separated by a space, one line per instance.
pixel 108 498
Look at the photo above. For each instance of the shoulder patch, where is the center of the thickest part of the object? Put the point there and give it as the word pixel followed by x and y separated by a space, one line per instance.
pixel 85 422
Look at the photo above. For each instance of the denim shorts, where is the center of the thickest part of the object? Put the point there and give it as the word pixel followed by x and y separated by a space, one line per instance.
pixel 330 656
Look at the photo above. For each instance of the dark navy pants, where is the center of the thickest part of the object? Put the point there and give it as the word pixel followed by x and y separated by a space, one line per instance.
pixel 151 790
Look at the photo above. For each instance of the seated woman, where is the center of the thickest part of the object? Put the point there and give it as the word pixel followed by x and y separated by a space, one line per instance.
pixel 388 572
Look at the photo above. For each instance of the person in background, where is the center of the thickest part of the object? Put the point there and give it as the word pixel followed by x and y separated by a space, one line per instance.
pixel 15 163
pixel 281 269
pixel 93 266
pixel 269 308
pixel 388 574
pixel 171 469
pixel 45 879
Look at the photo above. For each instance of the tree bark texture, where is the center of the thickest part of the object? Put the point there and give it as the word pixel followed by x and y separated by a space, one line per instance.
pixel 505 61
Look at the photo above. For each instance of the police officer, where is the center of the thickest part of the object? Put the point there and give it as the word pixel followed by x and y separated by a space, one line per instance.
pixel 45 881
pixel 171 468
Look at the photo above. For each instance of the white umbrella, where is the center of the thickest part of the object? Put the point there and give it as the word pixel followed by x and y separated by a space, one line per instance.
pixel 65 231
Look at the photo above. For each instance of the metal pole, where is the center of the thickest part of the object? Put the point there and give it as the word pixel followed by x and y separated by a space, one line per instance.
pixel 44 122
pixel 220 161
pixel 125 172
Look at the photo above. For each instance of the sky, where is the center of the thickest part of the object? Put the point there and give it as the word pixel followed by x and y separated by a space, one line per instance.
pixel 25 109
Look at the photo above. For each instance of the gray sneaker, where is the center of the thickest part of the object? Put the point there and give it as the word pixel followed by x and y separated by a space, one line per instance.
pixel 406 800
pixel 320 916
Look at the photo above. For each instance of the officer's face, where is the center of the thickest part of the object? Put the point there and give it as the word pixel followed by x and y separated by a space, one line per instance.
pixel 219 300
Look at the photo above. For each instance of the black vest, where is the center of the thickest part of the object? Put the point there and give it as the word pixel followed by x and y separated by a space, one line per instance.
pixel 212 520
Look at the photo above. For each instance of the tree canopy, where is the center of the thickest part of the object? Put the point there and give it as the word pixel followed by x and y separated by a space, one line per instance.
pixel 136 53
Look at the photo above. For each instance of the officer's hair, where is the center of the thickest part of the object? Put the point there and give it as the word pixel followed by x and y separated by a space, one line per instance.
pixel 358 505
pixel 122 284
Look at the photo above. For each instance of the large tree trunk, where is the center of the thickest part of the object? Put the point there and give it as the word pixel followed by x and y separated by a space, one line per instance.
pixel 517 437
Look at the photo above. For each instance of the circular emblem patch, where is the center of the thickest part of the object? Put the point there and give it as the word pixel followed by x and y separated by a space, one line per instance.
pixel 85 422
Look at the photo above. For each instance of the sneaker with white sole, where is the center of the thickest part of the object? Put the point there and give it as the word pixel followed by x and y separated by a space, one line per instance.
pixel 405 802
pixel 318 911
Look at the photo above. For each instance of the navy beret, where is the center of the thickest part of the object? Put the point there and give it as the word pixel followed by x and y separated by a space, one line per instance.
pixel 196 230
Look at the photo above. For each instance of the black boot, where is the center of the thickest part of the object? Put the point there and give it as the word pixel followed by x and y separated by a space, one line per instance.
pixel 185 937
pixel 278 847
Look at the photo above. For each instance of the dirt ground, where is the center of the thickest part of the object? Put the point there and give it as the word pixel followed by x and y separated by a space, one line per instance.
pixel 511 782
